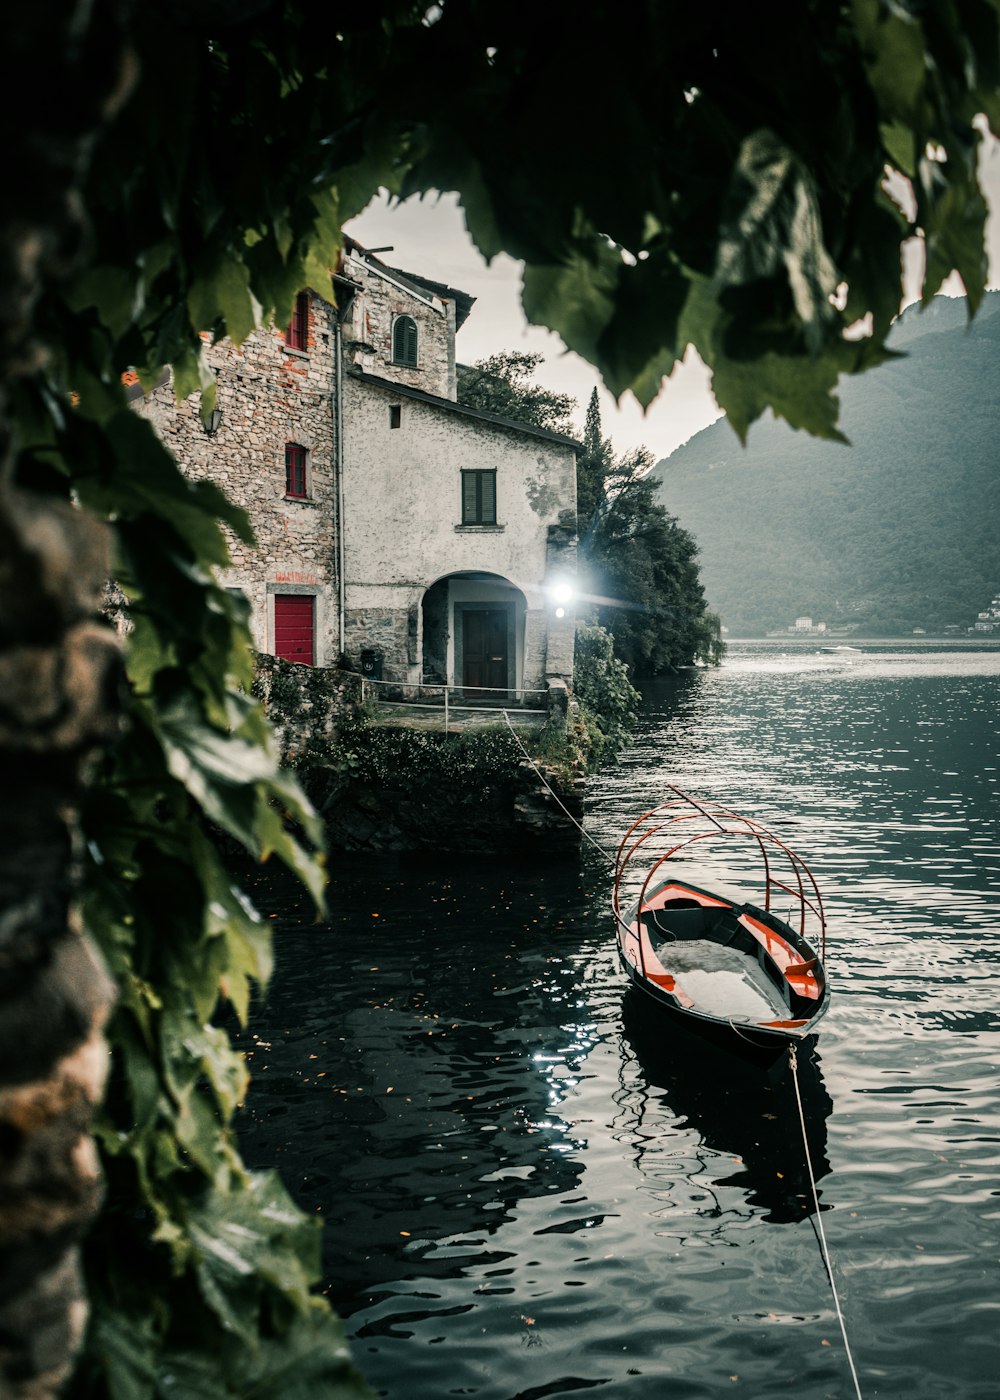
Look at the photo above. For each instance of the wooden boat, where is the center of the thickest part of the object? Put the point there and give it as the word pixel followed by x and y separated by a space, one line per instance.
pixel 737 970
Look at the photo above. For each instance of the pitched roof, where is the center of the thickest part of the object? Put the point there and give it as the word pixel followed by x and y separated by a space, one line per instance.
pixel 464 409
pixel 417 283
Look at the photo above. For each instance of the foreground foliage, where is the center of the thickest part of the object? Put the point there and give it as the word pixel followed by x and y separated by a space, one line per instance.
pixel 199 1272
pixel 745 160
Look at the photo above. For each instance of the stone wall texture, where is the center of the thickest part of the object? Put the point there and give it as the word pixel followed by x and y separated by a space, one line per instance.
pixel 270 395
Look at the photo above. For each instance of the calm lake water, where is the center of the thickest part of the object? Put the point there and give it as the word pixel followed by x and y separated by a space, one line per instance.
pixel 531 1190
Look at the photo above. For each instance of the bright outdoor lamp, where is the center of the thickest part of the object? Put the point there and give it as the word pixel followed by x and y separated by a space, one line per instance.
pixel 561 592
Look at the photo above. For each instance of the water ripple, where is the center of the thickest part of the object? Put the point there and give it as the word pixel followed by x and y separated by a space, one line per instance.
pixel 531 1189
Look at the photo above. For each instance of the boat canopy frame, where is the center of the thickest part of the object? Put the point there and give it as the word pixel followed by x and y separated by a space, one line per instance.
pixel 783 870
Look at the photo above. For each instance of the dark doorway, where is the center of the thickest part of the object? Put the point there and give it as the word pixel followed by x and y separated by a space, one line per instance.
pixel 484 652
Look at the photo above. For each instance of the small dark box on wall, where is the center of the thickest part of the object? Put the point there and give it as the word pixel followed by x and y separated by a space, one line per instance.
pixel 371 664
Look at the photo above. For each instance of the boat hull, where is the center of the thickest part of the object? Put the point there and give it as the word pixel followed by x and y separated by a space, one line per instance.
pixel 783 961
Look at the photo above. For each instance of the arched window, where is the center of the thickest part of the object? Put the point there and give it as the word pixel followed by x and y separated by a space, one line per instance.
pixel 404 341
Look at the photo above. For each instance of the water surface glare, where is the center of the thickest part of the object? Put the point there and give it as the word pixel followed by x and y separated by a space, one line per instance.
pixel 530 1189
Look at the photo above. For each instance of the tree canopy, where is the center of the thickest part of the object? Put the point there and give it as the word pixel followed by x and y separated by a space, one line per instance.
pixel 639 567
pixel 742 182
pixel 503 384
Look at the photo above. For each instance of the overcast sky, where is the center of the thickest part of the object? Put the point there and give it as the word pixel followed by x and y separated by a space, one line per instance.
pixel 428 236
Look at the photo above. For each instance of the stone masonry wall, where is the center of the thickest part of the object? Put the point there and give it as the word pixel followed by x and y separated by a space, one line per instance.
pixel 368 332
pixel 270 394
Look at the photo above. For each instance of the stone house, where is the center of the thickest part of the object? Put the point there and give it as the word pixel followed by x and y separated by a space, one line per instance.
pixel 399 532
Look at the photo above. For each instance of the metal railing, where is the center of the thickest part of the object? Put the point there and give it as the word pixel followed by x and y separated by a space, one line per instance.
pixel 431 695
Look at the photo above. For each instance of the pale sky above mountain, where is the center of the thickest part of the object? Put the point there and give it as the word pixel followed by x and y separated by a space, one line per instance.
pixel 428 236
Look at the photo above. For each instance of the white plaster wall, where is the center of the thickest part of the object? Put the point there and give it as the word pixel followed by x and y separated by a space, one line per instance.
pixel 402 492
pixel 402 508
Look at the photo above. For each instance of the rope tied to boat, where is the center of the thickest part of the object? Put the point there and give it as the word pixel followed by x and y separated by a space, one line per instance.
pixel 820 1232
pixel 552 792
pixel 793 1060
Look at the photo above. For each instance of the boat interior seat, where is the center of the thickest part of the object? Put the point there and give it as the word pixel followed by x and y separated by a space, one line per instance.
pixel 683 923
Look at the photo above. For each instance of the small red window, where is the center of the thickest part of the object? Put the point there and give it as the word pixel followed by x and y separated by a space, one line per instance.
pixel 295 470
pixel 297 335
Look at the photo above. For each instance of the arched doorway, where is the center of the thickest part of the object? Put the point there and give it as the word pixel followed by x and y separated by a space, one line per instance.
pixel 473 635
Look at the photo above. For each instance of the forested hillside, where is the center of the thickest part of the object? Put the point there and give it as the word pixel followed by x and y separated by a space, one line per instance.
pixel 899 530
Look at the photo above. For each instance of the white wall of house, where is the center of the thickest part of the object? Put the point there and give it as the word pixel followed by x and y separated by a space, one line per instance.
pixel 404 530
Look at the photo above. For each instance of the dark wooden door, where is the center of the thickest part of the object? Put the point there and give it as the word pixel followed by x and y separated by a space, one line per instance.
pixel 484 652
pixel 294 627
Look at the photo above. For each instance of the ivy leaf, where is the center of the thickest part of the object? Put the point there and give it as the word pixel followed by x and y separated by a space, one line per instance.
pixel 230 916
pixel 635 352
pixel 309 1361
pixel 245 1237
pixel 221 293
pixel 575 298
pixel 954 236
pixel 112 290
pixel 193 1054
pixel 771 229
pixel 894 56
pixel 799 389
pixel 323 246
pixel 122 1346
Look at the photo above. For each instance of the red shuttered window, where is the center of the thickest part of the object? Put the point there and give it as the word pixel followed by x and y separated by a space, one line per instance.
pixel 297 335
pixel 296 477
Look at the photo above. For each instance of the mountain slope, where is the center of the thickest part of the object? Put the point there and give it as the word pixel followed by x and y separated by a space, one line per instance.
pixel 899 530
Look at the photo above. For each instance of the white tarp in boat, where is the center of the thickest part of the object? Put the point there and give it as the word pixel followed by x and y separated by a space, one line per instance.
pixel 721 981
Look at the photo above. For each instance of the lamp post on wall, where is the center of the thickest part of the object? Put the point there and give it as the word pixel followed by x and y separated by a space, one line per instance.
pixel 213 422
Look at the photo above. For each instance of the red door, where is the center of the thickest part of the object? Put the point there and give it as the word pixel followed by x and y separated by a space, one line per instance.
pixel 293 627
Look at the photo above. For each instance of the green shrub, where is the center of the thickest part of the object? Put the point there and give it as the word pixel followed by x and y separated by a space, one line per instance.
pixel 609 703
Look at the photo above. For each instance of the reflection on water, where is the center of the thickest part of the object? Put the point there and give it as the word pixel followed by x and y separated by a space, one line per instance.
pixel 532 1188
pixel 747 1113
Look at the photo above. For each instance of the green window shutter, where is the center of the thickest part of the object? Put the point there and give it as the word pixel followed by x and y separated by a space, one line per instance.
pixel 469 498
pixel 479 497
pixel 404 341
pixel 488 498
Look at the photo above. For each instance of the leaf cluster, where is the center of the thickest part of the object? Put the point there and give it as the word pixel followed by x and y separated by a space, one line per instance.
pixel 743 187
pixel 608 701
pixel 199 1272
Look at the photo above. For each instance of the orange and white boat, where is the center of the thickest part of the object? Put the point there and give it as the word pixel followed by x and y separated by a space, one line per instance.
pixel 735 968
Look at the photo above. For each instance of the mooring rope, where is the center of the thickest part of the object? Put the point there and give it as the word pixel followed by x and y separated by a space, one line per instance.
pixel 820 1232
pixel 545 783
pixel 817 1222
